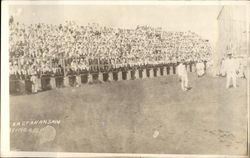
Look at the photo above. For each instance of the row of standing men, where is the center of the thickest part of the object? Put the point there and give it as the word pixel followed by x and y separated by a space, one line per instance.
pixel 36 83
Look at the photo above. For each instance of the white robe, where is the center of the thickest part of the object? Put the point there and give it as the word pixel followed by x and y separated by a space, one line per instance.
pixel 200 67
pixel 230 67
pixel 182 73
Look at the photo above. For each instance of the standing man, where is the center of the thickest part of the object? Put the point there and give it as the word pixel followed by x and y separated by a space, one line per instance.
pixel 34 82
pixel 200 68
pixel 230 67
pixel 182 73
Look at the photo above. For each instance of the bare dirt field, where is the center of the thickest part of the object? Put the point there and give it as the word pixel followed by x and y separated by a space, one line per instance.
pixel 139 116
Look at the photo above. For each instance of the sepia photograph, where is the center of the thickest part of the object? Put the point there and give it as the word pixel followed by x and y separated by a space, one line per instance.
pixel 128 78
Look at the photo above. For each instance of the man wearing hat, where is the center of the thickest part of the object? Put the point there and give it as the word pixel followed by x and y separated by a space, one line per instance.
pixel 230 67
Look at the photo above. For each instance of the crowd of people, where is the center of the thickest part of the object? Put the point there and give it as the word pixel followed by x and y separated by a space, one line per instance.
pixel 47 49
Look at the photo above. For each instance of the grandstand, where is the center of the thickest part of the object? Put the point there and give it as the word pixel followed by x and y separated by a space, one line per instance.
pixel 63 52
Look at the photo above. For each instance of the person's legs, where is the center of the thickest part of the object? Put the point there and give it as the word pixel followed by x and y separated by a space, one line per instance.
pixel 186 82
pixel 234 81
pixel 228 80
pixel 202 72
pixel 35 87
pixel 183 83
pixel 199 72
pixel 32 88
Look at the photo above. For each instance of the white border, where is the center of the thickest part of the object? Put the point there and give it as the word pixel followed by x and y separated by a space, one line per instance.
pixel 126 2
pixel 69 154
pixel 248 81
pixel 5 141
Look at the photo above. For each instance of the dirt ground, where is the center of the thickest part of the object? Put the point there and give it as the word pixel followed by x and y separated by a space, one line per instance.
pixel 140 116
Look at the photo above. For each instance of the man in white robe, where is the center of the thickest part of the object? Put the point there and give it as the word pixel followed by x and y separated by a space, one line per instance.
pixel 34 81
pixel 182 73
pixel 200 67
pixel 230 67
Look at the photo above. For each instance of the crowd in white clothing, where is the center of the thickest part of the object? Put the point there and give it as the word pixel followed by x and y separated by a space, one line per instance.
pixel 47 48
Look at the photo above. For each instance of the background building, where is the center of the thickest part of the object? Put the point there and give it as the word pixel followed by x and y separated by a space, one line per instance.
pixel 232 33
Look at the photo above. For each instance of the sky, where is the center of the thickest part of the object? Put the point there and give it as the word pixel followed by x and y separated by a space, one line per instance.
pixel 200 19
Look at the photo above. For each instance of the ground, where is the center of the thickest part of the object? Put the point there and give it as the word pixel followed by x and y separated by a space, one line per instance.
pixel 139 116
